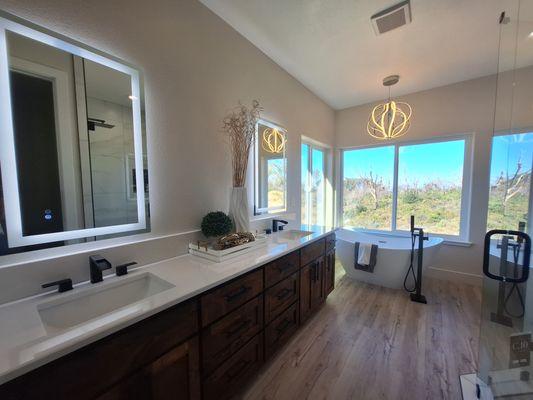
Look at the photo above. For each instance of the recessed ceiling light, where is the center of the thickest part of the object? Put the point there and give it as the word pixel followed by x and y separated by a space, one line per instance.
pixel 132 97
pixel 530 35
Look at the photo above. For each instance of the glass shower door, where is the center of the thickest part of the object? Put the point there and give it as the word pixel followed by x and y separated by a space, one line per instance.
pixel 505 341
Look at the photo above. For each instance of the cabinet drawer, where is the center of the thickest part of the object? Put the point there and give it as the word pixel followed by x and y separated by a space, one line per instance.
pixel 223 338
pixel 85 373
pixel 330 242
pixel 230 296
pixel 235 372
pixel 280 296
pixel 281 329
pixel 281 268
pixel 312 251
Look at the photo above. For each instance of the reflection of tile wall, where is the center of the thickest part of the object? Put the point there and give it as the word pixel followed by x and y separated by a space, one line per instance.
pixel 109 150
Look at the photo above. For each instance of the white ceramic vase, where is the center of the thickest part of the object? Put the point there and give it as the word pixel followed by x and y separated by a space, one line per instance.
pixel 238 209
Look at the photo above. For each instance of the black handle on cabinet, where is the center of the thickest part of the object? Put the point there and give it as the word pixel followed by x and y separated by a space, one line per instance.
pixel 281 328
pixel 283 267
pixel 123 268
pixel 237 369
pixel 234 296
pixel 282 294
pixel 63 285
pixel 238 327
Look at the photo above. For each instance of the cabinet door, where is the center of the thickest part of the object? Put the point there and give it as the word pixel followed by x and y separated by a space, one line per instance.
pixel 311 287
pixel 329 273
pixel 317 283
pixel 175 375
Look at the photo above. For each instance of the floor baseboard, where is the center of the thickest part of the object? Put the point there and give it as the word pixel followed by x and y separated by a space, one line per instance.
pixel 454 276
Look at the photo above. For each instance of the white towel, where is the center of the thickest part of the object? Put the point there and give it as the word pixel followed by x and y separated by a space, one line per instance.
pixel 365 249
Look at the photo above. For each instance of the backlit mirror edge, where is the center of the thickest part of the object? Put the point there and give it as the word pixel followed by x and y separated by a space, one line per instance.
pixel 7 144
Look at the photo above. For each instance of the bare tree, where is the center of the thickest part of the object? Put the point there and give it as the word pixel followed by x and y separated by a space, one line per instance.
pixel 374 184
pixel 511 186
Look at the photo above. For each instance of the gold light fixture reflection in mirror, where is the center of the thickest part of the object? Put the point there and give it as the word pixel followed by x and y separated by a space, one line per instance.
pixel 273 141
pixel 392 119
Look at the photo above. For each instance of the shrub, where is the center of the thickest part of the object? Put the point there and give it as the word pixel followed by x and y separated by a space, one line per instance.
pixel 410 197
pixel 359 209
pixel 216 223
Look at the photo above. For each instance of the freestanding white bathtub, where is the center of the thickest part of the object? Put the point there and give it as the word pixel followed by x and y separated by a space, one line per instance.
pixel 393 256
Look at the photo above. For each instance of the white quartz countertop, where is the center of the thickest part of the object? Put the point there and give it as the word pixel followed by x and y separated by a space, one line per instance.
pixel 26 343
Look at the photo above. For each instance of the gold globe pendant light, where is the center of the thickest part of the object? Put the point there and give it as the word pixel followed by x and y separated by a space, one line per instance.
pixel 392 119
pixel 273 141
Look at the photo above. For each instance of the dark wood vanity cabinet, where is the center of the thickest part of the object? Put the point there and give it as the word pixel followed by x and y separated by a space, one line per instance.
pixel 146 350
pixel 174 375
pixel 208 347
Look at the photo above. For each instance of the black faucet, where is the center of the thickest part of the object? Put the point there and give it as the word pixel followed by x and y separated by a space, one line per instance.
pixel 276 226
pixel 63 285
pixel 123 269
pixel 98 264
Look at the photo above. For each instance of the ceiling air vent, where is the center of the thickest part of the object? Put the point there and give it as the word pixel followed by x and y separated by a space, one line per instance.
pixel 392 18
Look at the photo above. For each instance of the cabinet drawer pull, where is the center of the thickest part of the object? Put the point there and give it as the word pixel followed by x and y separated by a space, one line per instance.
pixel 315 271
pixel 238 293
pixel 236 370
pixel 283 294
pixel 283 267
pixel 238 328
pixel 285 324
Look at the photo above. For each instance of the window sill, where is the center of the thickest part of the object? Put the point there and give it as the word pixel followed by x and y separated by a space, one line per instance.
pixel 270 215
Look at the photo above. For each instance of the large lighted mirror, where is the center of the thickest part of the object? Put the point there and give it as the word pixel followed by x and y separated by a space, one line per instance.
pixel 71 142
pixel 270 168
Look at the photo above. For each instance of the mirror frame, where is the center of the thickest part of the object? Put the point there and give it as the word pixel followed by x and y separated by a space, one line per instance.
pixel 257 143
pixel 7 139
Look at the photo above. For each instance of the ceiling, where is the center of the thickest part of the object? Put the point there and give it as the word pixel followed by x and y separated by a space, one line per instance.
pixel 330 46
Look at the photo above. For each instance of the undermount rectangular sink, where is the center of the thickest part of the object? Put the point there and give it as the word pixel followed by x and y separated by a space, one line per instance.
pixel 292 234
pixel 77 308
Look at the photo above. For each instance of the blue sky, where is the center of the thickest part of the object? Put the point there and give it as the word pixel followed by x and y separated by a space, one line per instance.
pixel 420 163
pixel 507 150
pixel 441 162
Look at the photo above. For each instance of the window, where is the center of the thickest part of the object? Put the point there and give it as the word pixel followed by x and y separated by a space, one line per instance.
pixel 430 179
pixel 313 185
pixel 383 186
pixel 367 187
pixel 305 183
pixel 510 181
pixel 270 168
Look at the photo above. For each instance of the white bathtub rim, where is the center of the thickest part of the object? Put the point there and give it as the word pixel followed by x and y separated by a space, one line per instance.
pixel 384 240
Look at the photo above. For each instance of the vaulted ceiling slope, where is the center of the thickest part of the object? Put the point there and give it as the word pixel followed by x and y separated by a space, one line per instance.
pixel 330 46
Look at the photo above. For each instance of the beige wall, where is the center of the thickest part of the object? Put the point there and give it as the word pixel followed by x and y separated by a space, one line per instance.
pixel 196 68
pixel 466 107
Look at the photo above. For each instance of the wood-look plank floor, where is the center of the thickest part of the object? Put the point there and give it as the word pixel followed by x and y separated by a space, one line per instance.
pixel 369 342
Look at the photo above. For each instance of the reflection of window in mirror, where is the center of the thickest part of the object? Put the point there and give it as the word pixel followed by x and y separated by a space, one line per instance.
pixel 76 140
pixel 270 168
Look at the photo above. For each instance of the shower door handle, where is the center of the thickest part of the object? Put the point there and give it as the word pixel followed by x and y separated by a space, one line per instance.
pixel 525 258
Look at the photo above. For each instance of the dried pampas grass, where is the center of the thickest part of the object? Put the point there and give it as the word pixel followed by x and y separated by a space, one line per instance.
pixel 239 126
